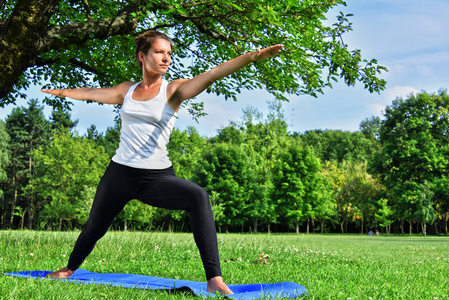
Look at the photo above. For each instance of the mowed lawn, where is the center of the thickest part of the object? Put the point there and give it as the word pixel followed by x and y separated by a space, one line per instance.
pixel 329 266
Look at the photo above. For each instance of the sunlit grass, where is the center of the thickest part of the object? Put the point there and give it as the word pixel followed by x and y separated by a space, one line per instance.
pixel 329 266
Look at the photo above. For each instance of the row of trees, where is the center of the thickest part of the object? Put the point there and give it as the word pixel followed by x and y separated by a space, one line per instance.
pixel 390 175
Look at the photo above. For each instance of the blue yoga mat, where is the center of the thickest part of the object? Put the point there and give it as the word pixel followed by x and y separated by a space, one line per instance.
pixel 242 291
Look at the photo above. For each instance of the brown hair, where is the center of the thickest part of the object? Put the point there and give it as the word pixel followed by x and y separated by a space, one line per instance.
pixel 145 41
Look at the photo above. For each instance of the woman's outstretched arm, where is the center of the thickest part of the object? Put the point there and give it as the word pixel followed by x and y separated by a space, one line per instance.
pixel 183 89
pixel 111 95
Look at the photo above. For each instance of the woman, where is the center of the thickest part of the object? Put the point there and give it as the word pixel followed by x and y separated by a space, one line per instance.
pixel 141 169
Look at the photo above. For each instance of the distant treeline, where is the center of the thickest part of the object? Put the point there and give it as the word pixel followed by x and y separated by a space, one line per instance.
pixel 391 175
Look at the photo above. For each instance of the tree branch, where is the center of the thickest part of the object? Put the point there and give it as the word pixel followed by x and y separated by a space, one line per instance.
pixel 57 37
pixel 85 66
pixel 202 27
pixel 87 9
pixel 39 62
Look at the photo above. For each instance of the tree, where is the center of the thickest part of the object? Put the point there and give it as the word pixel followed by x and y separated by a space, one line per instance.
pixel 415 136
pixel 261 140
pixel 370 127
pixel 296 181
pixel 330 184
pixel 341 145
pixel 68 167
pixel 109 140
pixel 185 150
pixel 4 152
pixel 136 214
pixel 61 118
pixel 79 43
pixel 93 134
pixel 424 211
pixel 441 200
pixel 384 214
pixel 223 172
pixel 5 157
pixel 358 200
pixel 415 139
pixel 28 130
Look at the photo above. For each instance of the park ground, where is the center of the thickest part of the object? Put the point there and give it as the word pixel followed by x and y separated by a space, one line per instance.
pixel 329 266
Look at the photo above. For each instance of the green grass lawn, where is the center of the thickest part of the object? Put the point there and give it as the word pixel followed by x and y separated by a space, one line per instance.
pixel 329 266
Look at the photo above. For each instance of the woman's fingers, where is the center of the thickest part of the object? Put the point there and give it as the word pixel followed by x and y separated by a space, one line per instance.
pixel 265 53
pixel 58 93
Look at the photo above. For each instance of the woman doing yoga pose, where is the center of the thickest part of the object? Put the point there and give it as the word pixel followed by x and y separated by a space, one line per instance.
pixel 141 169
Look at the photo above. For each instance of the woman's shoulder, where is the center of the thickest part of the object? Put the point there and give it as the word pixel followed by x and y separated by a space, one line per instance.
pixel 127 84
pixel 124 87
pixel 173 85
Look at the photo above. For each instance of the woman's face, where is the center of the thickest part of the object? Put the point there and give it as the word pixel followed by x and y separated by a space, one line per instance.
pixel 158 57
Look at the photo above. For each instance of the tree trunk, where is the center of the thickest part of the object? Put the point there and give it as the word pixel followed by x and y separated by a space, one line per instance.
pixel 445 223
pixel 410 227
pixel 322 226
pixel 125 225
pixel 30 196
pixel 60 224
pixel 297 228
pixel 22 219
pixel 3 217
pixel 255 220
pixel 14 200
pixel 20 38
pixel 445 227
pixel 362 227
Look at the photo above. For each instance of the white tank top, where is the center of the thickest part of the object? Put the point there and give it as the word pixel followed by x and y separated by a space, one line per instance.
pixel 146 129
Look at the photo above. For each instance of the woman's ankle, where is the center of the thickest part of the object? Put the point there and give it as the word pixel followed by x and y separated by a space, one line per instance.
pixel 216 284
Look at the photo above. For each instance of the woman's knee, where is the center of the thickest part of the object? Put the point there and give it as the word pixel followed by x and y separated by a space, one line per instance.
pixel 95 230
pixel 198 196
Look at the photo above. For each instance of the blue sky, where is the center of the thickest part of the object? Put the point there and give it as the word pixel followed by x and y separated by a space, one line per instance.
pixel 409 37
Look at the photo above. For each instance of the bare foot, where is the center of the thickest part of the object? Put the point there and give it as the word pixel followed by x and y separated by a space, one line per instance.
pixel 60 274
pixel 216 284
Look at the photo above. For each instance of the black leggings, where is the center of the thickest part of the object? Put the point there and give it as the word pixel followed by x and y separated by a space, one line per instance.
pixel 160 188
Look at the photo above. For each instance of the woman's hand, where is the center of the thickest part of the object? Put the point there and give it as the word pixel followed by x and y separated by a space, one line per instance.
pixel 57 93
pixel 261 54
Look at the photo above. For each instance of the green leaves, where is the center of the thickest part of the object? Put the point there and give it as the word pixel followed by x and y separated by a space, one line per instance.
pixel 65 169
pixel 296 181
pixel 205 34
pixel 415 153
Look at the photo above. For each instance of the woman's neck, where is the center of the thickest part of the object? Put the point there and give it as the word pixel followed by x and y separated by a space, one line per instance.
pixel 151 80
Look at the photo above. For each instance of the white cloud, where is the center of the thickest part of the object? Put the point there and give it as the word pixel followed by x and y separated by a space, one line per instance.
pixel 387 97
pixel 400 92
